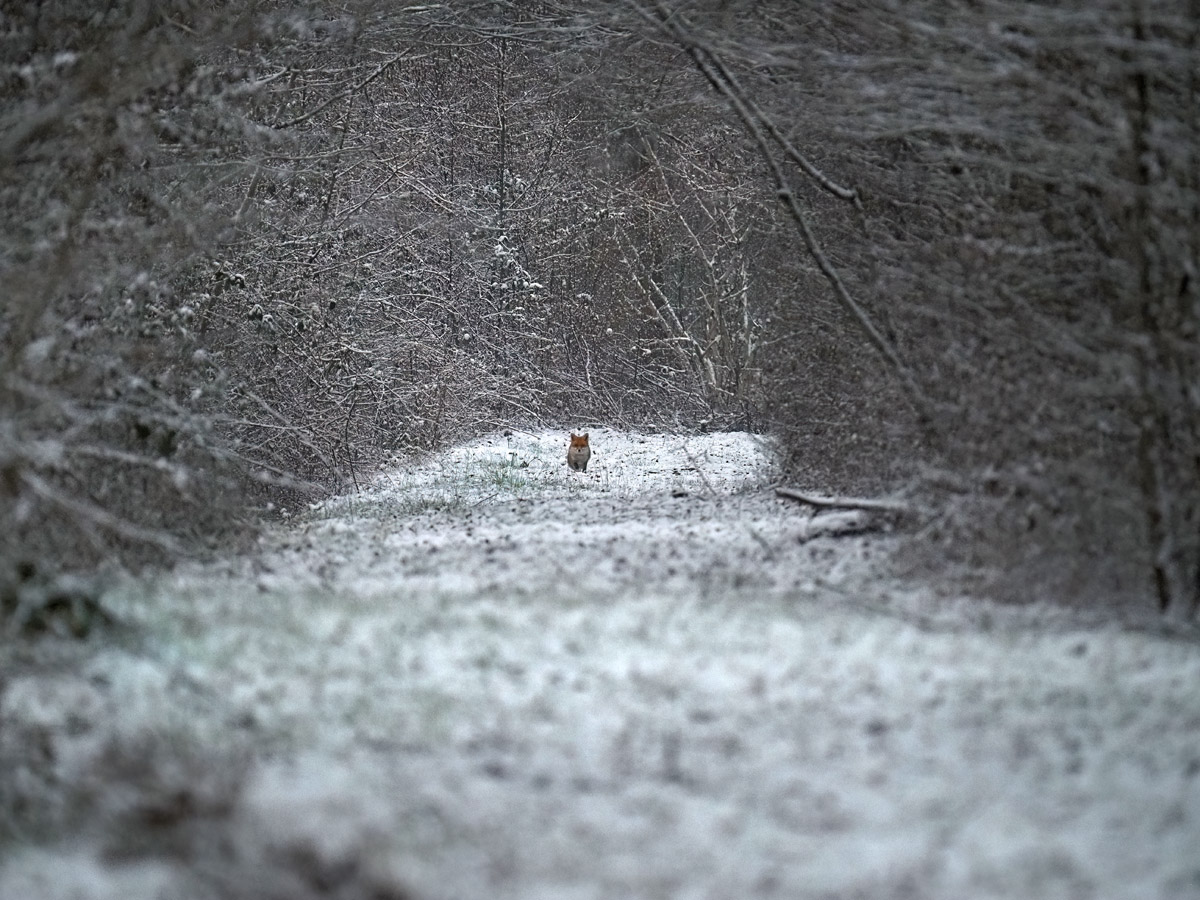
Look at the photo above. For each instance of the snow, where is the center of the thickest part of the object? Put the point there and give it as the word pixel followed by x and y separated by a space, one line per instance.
pixel 484 675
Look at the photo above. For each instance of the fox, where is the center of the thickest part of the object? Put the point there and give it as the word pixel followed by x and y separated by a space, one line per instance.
pixel 579 452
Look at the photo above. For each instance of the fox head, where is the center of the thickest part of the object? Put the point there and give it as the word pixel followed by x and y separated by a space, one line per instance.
pixel 579 440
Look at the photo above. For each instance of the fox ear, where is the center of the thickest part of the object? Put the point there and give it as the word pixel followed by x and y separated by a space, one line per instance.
pixel 572 435
pixel 584 435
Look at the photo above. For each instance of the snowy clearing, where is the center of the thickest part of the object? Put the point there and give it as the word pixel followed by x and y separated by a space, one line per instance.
pixel 485 676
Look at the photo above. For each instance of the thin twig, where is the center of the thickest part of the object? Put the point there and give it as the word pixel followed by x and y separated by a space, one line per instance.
pixel 343 94
pixel 93 514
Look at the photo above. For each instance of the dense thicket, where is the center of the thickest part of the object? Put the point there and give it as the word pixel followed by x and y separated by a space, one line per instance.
pixel 113 140
pixel 952 244
pixel 1025 178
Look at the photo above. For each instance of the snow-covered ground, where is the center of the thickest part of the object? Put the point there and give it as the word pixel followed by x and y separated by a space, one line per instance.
pixel 485 676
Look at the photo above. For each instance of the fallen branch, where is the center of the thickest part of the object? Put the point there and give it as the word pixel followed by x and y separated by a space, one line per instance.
pixel 882 506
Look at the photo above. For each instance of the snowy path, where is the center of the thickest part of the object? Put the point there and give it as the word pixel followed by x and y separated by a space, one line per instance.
pixel 487 677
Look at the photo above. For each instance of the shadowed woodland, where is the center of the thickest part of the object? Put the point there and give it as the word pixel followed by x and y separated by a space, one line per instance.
pixel 946 251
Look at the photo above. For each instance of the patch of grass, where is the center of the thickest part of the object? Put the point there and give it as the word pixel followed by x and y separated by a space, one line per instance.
pixel 454 482
pixel 510 475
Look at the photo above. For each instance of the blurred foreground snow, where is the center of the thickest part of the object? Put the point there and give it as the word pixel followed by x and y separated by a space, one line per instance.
pixel 485 676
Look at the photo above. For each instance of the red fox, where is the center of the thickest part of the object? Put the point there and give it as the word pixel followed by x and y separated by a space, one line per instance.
pixel 578 453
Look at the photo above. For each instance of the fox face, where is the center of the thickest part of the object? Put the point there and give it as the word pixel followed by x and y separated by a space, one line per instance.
pixel 578 452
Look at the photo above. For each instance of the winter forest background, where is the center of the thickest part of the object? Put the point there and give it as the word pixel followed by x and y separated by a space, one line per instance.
pixel 945 250
pixel 299 301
